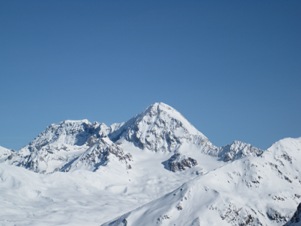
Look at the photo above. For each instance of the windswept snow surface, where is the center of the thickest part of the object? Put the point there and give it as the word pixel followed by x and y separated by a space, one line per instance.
pixel 155 169
pixel 83 197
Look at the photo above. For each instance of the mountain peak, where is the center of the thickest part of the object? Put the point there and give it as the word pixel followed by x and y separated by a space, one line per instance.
pixel 238 149
pixel 160 106
pixel 70 132
pixel 162 111
pixel 159 128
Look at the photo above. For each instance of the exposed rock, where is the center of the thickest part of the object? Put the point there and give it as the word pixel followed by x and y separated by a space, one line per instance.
pixel 179 162
pixel 296 219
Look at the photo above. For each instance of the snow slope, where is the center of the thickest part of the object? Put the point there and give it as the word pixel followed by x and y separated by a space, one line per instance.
pixel 240 193
pixel 81 196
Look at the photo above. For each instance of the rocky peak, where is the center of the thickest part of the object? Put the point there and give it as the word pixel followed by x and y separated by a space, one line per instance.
pixel 70 132
pixel 158 128
pixel 237 150
pixel 179 162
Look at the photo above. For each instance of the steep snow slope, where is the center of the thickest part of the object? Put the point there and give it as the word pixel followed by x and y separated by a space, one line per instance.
pixel 251 191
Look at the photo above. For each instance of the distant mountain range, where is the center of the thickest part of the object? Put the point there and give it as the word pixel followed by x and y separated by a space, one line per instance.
pixel 237 184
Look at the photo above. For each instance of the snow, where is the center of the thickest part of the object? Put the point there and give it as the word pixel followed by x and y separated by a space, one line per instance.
pixel 82 197
pixel 82 173
pixel 235 193
pixel 4 153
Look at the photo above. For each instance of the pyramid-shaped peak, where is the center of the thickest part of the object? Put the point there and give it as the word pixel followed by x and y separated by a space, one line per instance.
pixel 163 112
pixel 160 106
pixel 160 128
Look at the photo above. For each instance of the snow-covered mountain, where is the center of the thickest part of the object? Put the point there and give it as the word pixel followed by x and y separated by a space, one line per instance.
pixel 156 168
pixel 58 145
pixel 68 145
pixel 161 128
pixel 251 191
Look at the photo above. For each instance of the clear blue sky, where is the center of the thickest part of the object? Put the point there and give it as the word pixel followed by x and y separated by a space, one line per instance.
pixel 232 68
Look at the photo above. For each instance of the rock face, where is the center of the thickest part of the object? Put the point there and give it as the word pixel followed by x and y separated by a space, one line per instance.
pixel 179 162
pixel 296 219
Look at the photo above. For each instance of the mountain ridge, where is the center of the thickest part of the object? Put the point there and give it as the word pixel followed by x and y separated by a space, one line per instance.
pixel 160 128
pixel 155 168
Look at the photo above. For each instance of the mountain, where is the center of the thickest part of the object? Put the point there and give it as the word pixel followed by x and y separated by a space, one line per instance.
pixel 155 168
pixel 60 145
pixel 240 193
pixel 161 128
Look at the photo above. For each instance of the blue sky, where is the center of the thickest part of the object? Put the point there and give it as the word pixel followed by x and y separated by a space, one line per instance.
pixel 232 68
